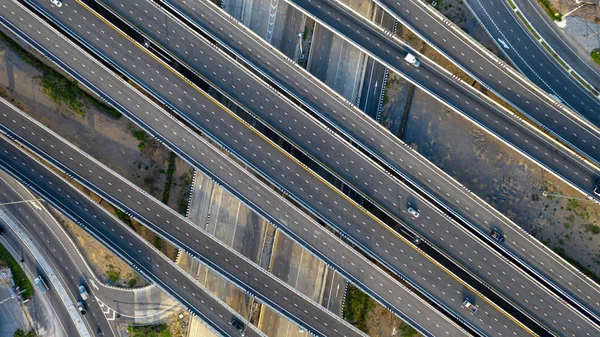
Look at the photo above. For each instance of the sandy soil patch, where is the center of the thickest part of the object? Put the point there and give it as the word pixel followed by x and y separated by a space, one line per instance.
pixel 113 141
pixel 105 265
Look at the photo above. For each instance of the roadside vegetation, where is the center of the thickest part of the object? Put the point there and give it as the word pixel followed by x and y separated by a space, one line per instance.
pixel 156 330
pixel 356 307
pixel 61 90
pixel 19 276
pixel 552 12
pixel 21 333
pixel 373 319
pixel 595 54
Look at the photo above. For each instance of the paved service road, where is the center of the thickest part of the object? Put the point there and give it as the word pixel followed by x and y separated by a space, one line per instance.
pixel 577 58
pixel 530 57
pixel 331 207
pixel 68 265
pixel 490 71
pixel 117 237
pixel 221 168
pixel 186 51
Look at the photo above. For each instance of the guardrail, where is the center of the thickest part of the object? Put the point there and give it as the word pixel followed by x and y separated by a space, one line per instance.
pixel 194 163
pixel 45 265
pixel 413 185
pixel 71 214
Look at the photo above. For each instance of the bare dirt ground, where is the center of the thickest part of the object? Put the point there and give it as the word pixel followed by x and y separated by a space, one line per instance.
pixel 382 323
pixel 590 12
pixel 105 264
pixel 496 173
pixel 506 180
pixel 140 159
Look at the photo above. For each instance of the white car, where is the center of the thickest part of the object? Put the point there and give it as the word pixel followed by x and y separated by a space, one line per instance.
pixel 413 212
pixel 56 3
pixel 467 304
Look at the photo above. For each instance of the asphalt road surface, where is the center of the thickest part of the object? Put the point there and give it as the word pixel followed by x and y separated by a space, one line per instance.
pixel 42 229
pixel 578 59
pixel 530 57
pixel 187 54
pixel 491 72
pixel 120 239
pixel 209 160
pixel 478 214
pixel 204 120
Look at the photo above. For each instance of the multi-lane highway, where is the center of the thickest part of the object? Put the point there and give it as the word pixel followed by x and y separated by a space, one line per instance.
pixel 44 231
pixel 177 230
pixel 364 131
pixel 330 206
pixel 505 82
pixel 182 51
pixel 112 38
pixel 577 58
pixel 490 274
pixel 459 96
pixel 530 57
pixel 249 189
pixel 118 238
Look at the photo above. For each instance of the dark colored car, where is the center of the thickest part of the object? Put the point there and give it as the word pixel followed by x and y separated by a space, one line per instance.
pixel 497 236
pixel 2 231
pixel 239 326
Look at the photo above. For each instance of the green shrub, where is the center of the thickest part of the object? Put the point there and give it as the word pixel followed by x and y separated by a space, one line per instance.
pixel 596 55
pixel 19 276
pixel 550 10
pixel 356 307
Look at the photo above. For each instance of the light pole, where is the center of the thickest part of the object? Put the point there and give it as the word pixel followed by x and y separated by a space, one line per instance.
pixel 546 194
pixel 19 202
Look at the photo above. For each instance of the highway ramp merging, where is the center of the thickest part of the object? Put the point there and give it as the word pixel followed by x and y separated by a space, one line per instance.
pixel 210 160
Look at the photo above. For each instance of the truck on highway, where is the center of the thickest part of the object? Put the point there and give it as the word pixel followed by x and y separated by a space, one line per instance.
pixel 83 292
pixel 410 58
pixel 41 285
pixel 81 308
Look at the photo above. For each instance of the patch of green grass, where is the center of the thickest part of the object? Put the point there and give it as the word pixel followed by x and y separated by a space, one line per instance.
pixel 21 333
pixel 157 242
pixel 512 4
pixel 57 87
pixel 62 91
pixel 356 307
pixel 526 23
pixel 562 63
pixel 587 86
pixel 169 180
pixel 124 217
pixel 595 54
pixel 142 136
pixel 113 274
pixel 19 276
pixel 186 182
pixel 552 12
pixel 591 228
pixel 156 330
